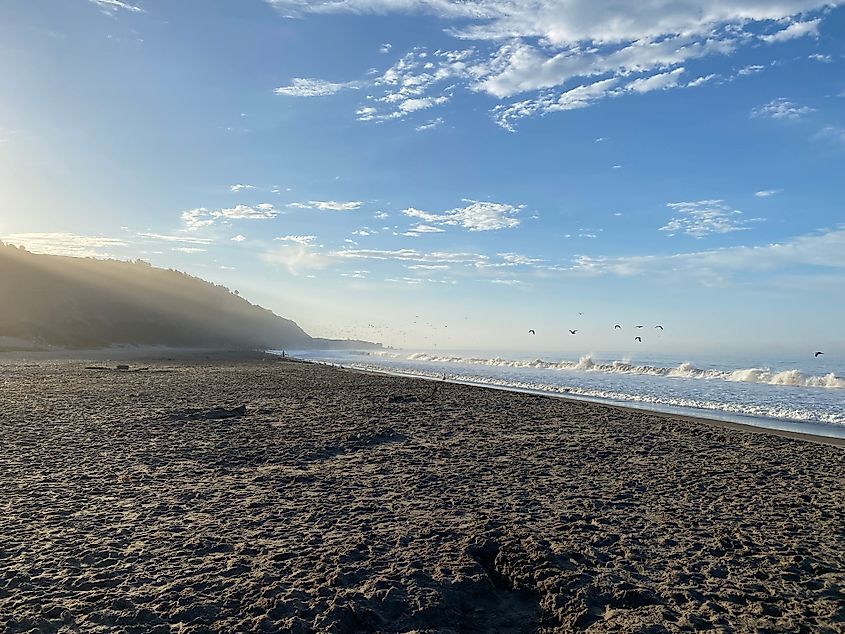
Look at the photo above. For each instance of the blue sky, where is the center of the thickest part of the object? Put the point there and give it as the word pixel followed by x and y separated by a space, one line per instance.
pixel 490 166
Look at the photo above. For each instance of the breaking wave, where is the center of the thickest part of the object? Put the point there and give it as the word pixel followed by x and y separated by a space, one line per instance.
pixel 794 378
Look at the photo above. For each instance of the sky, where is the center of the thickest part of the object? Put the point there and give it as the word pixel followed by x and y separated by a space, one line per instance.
pixel 449 173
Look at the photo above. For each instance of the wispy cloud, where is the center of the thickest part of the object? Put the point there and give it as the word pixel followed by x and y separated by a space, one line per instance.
pixel 766 193
pixel 239 187
pixel 186 239
pixel 781 108
pixel 298 239
pixel 305 87
pixel 794 30
pixel 825 249
pixel 201 217
pixel 72 244
pixel 550 48
pixel 328 205
pixel 705 217
pixel 476 216
pixel 111 6
pixel 430 125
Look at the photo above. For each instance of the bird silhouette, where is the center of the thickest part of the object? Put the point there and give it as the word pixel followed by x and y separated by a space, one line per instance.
pixel 818 353
pixel 617 326
pixel 572 332
pixel 640 339
pixel 532 332
pixel 639 326
pixel 661 327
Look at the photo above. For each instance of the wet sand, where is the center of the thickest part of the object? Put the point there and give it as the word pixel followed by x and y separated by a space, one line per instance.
pixel 227 492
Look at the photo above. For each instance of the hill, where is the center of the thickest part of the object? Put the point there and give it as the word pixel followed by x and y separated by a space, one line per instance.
pixel 69 302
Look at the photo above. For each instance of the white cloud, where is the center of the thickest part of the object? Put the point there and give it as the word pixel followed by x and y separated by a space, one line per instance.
pixel 700 81
pixel 507 282
pixel 781 108
pixel 238 238
pixel 187 239
pixel 820 57
pixel 430 125
pixel 306 240
pixel 328 205
pixel 476 216
pixel 197 218
pixel 239 187
pixel 753 69
pixel 72 244
pixel 537 46
pixel 381 215
pixel 794 30
pixel 421 228
pixel 201 217
pixel 703 218
pixel 660 81
pixel 765 193
pixel 114 5
pixel 385 48
pixel 305 87
pixel 410 255
pixel 189 249
pixel 429 267
pixel 825 249
pixel 261 211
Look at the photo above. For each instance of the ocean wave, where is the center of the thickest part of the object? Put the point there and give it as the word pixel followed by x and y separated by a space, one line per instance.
pixel 765 410
pixel 794 378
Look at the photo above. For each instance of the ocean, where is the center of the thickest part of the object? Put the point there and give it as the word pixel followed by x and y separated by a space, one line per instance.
pixel 806 395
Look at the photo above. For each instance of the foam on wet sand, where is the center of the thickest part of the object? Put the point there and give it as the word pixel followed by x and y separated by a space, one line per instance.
pixel 341 501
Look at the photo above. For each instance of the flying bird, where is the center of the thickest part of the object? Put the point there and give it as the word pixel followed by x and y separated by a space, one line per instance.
pixel 661 327
pixel 617 326
pixel 639 326
pixel 572 332
pixel 640 339
pixel 818 353
pixel 532 332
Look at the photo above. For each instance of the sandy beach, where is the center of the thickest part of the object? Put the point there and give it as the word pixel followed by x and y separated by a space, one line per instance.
pixel 223 492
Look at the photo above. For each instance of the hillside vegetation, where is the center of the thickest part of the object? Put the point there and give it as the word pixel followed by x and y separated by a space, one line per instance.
pixel 71 302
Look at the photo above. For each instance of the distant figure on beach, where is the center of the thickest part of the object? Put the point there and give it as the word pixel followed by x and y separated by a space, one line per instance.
pixel 640 339
pixel 532 332
pixel 818 353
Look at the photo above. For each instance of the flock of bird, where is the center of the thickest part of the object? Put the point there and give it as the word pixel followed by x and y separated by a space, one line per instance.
pixel 433 332
pixel 573 331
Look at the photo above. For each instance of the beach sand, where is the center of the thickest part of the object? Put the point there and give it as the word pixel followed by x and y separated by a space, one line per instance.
pixel 338 501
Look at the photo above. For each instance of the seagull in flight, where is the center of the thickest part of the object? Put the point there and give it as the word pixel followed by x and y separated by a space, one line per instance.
pixel 617 326
pixel 661 327
pixel 818 353
pixel 572 332
pixel 639 326
pixel 640 339
pixel 532 332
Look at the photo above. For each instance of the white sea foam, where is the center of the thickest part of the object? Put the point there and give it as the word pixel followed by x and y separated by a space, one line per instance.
pixel 766 376
pixel 765 410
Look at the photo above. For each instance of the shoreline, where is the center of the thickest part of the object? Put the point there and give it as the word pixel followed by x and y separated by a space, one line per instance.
pixel 834 441
pixel 246 492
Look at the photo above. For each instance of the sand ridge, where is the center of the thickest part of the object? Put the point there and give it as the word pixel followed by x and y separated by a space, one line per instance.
pixel 151 502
